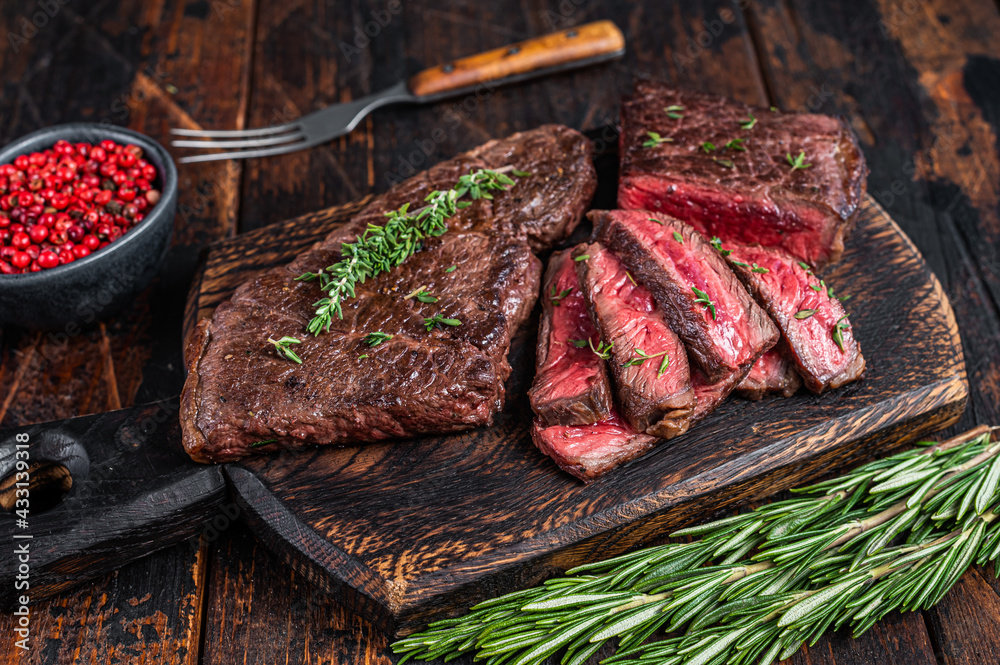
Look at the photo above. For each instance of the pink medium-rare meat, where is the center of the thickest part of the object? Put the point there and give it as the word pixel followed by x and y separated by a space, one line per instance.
pixel 815 328
pixel 647 359
pixel 724 329
pixel 241 397
pixel 723 167
pixel 571 385
pixel 772 373
pixel 587 451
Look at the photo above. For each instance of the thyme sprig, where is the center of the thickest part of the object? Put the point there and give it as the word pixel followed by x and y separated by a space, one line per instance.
pixel 283 347
pixel 894 534
pixel 704 300
pixel 643 357
pixel 557 296
pixel 382 248
pixel 655 139
pixel 797 162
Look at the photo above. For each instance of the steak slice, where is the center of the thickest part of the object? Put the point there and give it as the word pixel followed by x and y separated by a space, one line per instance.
pixel 571 385
pixel 655 396
pixel 725 336
pixel 772 373
pixel 587 451
pixel 748 196
pixel 241 397
pixel 710 394
pixel 814 326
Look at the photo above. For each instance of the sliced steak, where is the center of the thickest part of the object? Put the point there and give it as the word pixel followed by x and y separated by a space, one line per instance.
pixel 241 397
pixel 571 385
pixel 748 195
pixel 587 451
pixel 814 326
pixel 710 394
pixel 654 393
pixel 724 335
pixel 772 373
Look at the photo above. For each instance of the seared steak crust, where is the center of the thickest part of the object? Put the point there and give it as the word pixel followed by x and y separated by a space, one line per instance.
pixel 750 195
pixel 571 385
pixel 240 394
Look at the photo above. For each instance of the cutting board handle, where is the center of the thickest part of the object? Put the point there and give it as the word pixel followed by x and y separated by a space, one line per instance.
pixel 87 495
pixel 574 47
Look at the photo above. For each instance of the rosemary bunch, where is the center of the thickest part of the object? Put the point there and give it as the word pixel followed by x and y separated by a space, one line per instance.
pixel 894 534
pixel 381 248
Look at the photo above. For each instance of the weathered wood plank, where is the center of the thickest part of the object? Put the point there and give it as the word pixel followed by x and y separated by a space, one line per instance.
pixel 149 66
pixel 902 73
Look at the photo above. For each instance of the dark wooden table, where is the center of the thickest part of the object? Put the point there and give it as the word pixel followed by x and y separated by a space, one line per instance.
pixel 918 79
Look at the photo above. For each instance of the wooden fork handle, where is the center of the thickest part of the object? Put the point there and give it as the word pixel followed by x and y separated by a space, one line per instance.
pixel 580 45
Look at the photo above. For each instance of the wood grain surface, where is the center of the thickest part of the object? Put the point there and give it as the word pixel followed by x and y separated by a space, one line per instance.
pixel 917 79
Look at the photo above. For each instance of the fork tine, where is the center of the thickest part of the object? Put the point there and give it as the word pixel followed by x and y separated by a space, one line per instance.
pixel 247 154
pixel 237 133
pixel 241 143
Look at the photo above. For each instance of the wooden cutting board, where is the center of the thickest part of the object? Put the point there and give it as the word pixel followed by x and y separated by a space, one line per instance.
pixel 409 531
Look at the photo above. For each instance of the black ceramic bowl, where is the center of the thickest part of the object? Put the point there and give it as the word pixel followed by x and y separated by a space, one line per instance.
pixel 94 287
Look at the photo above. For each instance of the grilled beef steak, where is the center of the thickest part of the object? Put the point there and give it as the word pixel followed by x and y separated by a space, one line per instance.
pixel 587 451
pixel 703 301
pixel 739 182
pixel 241 396
pixel 815 327
pixel 772 373
pixel 710 394
pixel 571 385
pixel 647 359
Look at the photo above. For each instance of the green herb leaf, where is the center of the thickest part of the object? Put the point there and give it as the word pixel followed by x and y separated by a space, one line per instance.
pixel 740 264
pixel 376 338
pixel 797 162
pixel 452 269
pixel 655 139
pixel 382 248
pixel 283 348
pixel 556 298
pixel 717 244
pixel 580 343
pixel 674 111
pixel 750 122
pixel 759 269
pixel 424 296
pixel 582 257
pixel 725 163
pixel 704 300
pixel 708 146
pixel 736 144
pixel 678 237
pixel 438 320
pixel 653 219
pixel 258 444
pixel 603 350
pixel 804 313
pixel 838 331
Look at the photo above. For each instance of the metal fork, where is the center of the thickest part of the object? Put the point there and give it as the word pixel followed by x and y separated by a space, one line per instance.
pixel 556 52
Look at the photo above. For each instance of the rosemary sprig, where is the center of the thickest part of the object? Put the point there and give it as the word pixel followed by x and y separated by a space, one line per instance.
pixel 381 248
pixel 283 348
pixel 894 534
